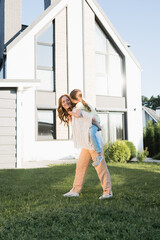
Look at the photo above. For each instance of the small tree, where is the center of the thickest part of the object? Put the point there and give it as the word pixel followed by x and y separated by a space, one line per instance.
pixel 157 138
pixel 144 137
pixel 149 140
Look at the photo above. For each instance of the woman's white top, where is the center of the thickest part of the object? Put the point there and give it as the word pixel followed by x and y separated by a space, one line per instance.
pixel 81 131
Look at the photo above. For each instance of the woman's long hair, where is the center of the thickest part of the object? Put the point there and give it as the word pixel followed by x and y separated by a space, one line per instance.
pixel 62 113
pixel 75 94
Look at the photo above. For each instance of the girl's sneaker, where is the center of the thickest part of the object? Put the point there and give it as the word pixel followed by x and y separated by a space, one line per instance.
pixel 97 161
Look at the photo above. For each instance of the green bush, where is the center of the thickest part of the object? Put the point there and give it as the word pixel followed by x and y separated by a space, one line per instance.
pixel 105 149
pixel 132 149
pixel 144 137
pixel 141 155
pixel 157 156
pixel 157 138
pixel 149 140
pixel 117 152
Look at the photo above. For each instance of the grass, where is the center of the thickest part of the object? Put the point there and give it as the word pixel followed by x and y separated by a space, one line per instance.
pixel 32 206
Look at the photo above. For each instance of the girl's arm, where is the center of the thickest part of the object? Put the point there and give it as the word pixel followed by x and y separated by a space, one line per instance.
pixel 70 118
pixel 76 114
pixel 96 123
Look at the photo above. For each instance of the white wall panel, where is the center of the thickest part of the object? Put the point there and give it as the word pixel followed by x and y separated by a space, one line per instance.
pixel 75 45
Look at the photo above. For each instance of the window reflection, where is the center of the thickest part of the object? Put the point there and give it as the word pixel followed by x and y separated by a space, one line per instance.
pixel 46 77
pixel 1 71
pixel 44 56
pixel 45 59
pixel 46 123
pixel 101 44
pixel 109 66
pixel 105 127
pixel 112 126
pixel 47 36
pixel 115 126
pixel 101 81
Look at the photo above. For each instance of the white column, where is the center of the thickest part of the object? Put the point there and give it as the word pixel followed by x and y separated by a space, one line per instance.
pixel 19 127
pixel 75 44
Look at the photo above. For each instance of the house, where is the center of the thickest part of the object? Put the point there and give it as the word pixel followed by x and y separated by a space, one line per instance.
pixel 150 115
pixel 72 44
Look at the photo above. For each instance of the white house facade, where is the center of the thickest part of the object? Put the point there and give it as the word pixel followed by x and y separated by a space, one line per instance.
pixel 72 44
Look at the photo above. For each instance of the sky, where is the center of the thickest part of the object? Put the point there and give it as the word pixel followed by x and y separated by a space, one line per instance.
pixel 137 22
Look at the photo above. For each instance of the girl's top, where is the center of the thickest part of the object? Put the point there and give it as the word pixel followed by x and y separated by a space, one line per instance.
pixel 80 131
pixel 80 106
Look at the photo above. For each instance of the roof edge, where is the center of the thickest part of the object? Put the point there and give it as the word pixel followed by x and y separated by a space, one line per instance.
pixel 31 26
pixel 145 109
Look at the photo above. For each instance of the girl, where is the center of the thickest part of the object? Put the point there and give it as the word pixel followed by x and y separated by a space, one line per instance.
pixel 80 104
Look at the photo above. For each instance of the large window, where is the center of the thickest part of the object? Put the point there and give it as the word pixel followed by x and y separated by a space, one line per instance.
pixel 113 126
pixel 109 66
pixel 46 59
pixel 46 114
pixel 1 71
pixel 46 124
pixel 3 68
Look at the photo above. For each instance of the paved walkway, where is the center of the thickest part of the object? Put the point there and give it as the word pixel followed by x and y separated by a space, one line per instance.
pixel 151 160
pixel 45 164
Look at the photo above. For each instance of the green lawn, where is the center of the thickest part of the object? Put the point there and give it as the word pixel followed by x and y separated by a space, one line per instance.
pixel 32 206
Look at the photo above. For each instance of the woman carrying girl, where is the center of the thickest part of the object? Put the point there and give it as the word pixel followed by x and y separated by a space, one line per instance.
pixel 80 129
pixel 80 104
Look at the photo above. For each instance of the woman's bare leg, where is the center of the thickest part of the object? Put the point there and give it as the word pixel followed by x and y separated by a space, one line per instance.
pixel 103 174
pixel 81 169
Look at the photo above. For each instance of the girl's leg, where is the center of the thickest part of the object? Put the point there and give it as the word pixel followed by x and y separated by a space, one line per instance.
pixel 81 169
pixel 95 142
pixel 103 174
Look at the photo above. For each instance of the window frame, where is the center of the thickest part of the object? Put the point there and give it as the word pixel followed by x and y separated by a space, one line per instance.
pixel 46 68
pixel 124 130
pixel 107 55
pixel 47 138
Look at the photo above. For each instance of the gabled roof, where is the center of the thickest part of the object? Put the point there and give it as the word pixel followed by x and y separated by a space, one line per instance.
pixel 151 113
pixel 96 9
pixel 32 25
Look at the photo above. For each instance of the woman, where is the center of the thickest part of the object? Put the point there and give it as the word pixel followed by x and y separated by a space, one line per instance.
pixel 80 129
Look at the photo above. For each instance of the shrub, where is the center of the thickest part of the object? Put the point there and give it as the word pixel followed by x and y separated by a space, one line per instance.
pixel 117 152
pixel 105 150
pixel 157 156
pixel 132 149
pixel 144 137
pixel 141 155
pixel 149 140
pixel 156 138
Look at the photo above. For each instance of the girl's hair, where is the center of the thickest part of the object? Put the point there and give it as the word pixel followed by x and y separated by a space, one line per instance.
pixel 62 113
pixel 75 94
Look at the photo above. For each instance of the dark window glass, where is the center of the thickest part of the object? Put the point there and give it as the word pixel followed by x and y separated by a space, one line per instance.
pixel 1 71
pixel 46 123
